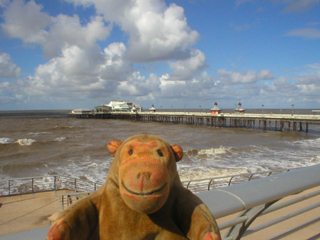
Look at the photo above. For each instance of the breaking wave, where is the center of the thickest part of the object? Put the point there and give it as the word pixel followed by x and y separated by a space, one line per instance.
pixel 59 139
pixel 6 140
pixel 39 133
pixel 26 141
pixel 194 174
pixel 213 151
pixel 315 143
pixel 64 128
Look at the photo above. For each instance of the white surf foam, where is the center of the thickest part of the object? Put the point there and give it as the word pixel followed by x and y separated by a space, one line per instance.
pixel 213 151
pixel 26 141
pixel 6 140
pixel 194 174
pixel 39 133
pixel 307 143
pixel 59 139
pixel 86 168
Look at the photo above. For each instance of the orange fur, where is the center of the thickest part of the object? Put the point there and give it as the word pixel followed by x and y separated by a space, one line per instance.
pixel 142 198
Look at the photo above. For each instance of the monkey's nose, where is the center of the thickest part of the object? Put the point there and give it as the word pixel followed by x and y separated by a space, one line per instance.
pixel 144 175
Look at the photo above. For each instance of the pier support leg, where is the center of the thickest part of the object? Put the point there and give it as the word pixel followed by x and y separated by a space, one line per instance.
pixel 264 125
pixel 294 126
pixel 281 126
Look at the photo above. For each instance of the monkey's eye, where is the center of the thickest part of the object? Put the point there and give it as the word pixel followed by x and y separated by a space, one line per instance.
pixel 160 153
pixel 130 151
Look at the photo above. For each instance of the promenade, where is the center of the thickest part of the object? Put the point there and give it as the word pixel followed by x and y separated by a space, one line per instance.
pixel 27 212
pixel 297 220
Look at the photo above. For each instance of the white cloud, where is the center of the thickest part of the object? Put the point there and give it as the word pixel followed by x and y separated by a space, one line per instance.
pixel 160 36
pixel 68 31
pixel 78 68
pixel 299 5
pixel 4 3
pixel 173 89
pixel 138 85
pixel 309 33
pixel 76 73
pixel 290 6
pixel 10 93
pixel 7 68
pixel 315 66
pixel 156 32
pixel 310 77
pixel 314 69
pixel 310 90
pixel 187 68
pixel 115 67
pixel 26 22
pixel 200 87
pixel 251 76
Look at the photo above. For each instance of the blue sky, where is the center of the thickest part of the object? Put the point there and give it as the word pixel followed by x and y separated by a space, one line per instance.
pixel 65 54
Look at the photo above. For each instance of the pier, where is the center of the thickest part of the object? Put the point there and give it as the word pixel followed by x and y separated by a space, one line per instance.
pixel 266 122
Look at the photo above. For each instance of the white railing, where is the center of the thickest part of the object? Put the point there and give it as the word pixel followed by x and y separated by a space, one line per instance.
pixel 239 207
pixel 251 200
pixel 17 186
pixel 206 184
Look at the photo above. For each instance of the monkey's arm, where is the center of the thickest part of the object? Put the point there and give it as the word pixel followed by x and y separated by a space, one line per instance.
pixel 79 221
pixel 195 219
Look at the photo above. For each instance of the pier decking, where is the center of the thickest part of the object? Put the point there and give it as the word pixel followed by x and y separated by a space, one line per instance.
pixel 270 122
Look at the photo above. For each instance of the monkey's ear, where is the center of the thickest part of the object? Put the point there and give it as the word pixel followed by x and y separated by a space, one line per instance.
pixel 178 152
pixel 113 146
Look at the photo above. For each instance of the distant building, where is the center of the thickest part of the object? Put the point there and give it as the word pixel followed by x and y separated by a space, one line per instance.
pixel 102 109
pixel 123 106
pixel 239 109
pixel 133 109
pixel 216 109
pixel 81 111
pixel 152 109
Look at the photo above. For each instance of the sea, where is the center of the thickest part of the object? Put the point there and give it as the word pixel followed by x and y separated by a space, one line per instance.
pixel 47 143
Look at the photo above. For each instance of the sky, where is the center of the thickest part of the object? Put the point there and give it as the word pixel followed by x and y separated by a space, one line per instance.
pixel 67 54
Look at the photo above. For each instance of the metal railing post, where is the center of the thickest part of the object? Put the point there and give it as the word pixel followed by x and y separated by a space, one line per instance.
pixel 32 181
pixel 9 187
pixel 250 177
pixel 62 202
pixel 230 181
pixel 209 184
pixel 237 231
pixel 54 183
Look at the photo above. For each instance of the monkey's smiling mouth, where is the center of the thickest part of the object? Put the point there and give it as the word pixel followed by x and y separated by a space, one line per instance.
pixel 144 194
